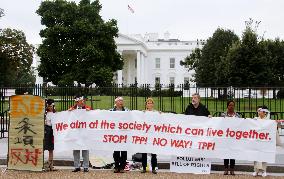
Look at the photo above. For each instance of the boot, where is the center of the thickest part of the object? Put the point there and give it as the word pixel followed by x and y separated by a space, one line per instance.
pixel 144 170
pixel 116 170
pixel 232 171
pixel 226 172
pixel 51 168
pixel 46 166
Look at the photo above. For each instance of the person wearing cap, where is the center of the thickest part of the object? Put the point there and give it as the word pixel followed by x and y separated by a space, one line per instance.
pixel 149 105
pixel 230 113
pixel 80 104
pixel 260 167
pixel 119 157
pixel 48 134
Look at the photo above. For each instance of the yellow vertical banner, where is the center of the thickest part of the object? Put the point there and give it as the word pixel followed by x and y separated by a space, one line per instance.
pixel 26 133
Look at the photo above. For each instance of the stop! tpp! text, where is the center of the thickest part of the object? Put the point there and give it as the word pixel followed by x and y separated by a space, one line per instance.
pixel 164 128
pixel 162 142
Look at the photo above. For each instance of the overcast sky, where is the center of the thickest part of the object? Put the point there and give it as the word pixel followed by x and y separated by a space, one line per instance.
pixel 183 19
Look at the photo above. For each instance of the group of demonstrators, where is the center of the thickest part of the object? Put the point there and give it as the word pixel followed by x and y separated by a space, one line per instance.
pixel 120 157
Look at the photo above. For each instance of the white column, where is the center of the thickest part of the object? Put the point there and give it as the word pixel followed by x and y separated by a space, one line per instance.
pixel 142 77
pixel 119 72
pixel 138 69
pixel 119 77
pixel 129 70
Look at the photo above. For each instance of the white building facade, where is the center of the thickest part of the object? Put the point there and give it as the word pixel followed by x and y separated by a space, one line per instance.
pixel 150 60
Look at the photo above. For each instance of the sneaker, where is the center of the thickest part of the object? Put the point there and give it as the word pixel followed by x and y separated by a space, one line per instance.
pixel 254 174
pixel 86 170
pixel 143 171
pixel 154 171
pixel 264 174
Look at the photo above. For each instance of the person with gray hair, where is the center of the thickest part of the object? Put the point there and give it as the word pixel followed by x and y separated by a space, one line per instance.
pixel 196 108
pixel 119 157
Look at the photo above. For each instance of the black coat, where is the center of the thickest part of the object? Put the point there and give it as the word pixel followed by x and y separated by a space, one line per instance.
pixel 201 110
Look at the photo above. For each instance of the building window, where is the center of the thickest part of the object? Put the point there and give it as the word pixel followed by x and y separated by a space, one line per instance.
pixel 186 80
pixel 157 80
pixel 157 83
pixel 157 63
pixel 172 63
pixel 172 80
pixel 186 83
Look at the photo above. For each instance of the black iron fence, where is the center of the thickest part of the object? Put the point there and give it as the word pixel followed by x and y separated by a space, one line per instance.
pixel 168 98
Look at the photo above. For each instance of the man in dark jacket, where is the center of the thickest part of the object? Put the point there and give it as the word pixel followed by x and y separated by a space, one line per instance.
pixel 196 108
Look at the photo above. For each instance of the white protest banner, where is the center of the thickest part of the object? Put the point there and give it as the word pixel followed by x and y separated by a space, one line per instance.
pixel 166 134
pixel 190 165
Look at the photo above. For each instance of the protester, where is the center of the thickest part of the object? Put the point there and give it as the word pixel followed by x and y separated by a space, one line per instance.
pixel 80 104
pixel 196 108
pixel 48 134
pixel 230 113
pixel 119 157
pixel 260 167
pixel 149 107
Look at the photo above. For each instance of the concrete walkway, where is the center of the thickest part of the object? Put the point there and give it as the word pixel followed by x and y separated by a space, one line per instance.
pixel 66 159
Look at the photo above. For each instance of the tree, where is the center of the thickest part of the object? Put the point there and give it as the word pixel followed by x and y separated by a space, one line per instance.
pixel 77 44
pixel 226 61
pixel 274 53
pixel 250 63
pixel 192 61
pixel 207 61
pixel 16 58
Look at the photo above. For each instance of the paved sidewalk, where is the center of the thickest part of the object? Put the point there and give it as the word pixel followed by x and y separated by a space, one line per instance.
pixel 65 172
pixel 66 159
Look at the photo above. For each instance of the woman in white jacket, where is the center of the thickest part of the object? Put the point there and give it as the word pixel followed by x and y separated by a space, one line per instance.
pixel 260 167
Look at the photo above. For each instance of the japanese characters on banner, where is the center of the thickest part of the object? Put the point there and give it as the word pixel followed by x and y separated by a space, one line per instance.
pixel 185 164
pixel 26 133
pixel 165 134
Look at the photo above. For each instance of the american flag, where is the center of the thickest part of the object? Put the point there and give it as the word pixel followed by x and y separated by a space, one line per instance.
pixel 130 8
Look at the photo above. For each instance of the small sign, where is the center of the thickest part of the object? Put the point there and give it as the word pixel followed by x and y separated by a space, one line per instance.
pixel 181 164
pixel 26 133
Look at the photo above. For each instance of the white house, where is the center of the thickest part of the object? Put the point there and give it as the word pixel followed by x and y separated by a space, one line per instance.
pixel 150 60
